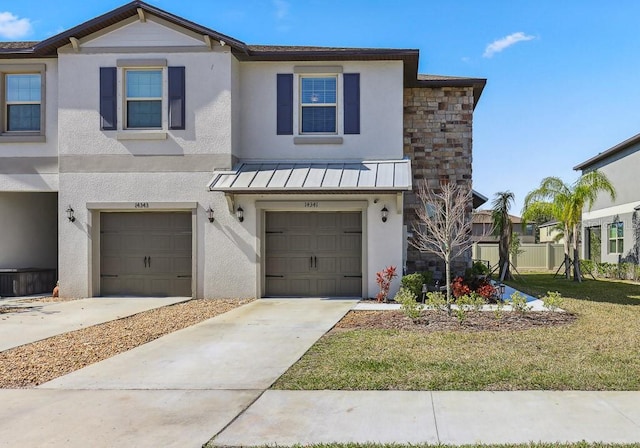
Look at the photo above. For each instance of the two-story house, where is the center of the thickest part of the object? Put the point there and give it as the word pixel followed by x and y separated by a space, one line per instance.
pixel 611 228
pixel 144 154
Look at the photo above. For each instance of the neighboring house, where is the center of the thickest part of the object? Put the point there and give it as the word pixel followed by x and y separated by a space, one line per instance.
pixel 482 228
pixel 144 154
pixel 550 233
pixel 611 229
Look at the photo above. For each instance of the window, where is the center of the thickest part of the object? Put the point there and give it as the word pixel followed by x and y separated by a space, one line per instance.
pixel 318 104
pixel 23 100
pixel 616 234
pixel 151 100
pixel 143 99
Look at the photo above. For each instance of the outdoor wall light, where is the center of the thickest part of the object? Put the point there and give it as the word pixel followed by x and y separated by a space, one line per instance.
pixel 210 214
pixel 240 214
pixel 443 126
pixel 384 213
pixel 70 216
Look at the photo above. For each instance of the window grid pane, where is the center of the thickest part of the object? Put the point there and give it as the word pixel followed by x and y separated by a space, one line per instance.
pixel 144 84
pixel 23 88
pixel 319 119
pixel 318 90
pixel 144 114
pixel 23 117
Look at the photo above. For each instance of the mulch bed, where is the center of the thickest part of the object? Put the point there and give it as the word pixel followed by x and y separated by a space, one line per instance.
pixel 36 363
pixel 440 321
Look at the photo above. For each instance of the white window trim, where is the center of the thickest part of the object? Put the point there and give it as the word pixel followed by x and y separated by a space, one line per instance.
pixel 124 133
pixel 617 239
pixel 338 78
pixel 7 136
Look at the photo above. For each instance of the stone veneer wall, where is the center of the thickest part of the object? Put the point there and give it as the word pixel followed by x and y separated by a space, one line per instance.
pixel 438 154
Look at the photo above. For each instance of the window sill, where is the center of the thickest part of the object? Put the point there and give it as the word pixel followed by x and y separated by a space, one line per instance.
pixel 141 135
pixel 24 138
pixel 317 140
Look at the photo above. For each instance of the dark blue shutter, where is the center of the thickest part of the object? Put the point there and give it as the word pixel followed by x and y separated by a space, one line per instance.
pixel 176 98
pixel 351 103
pixel 285 104
pixel 108 99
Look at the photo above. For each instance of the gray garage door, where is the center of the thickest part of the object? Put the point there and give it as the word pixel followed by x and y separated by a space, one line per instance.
pixel 145 254
pixel 314 254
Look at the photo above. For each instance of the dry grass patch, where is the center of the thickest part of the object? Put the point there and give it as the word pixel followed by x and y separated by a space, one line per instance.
pixel 33 364
pixel 600 350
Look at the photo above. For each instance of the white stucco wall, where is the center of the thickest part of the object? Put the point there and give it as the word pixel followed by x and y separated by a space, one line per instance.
pixel 381 113
pixel 28 230
pixel 208 106
pixel 34 178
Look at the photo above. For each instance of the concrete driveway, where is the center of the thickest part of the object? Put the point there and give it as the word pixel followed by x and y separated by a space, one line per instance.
pixel 178 390
pixel 42 320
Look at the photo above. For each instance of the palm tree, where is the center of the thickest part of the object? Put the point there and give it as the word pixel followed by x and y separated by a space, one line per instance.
pixel 503 228
pixel 565 203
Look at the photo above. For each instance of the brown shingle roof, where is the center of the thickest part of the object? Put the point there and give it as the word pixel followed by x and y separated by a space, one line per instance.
pixel 17 45
pixel 484 216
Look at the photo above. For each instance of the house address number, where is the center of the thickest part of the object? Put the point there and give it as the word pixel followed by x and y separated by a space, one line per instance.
pixel 141 205
pixel 311 204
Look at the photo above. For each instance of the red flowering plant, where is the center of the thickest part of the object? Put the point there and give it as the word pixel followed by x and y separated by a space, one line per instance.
pixel 384 279
pixel 460 288
pixel 486 290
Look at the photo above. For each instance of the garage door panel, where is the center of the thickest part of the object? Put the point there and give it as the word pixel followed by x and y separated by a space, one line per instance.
pixel 327 243
pixel 148 251
pixel 308 248
pixel 327 287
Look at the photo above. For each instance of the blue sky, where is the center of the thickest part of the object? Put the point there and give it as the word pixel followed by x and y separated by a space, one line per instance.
pixel 562 75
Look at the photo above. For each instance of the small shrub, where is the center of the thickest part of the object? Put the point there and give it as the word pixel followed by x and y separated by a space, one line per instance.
pixel 480 268
pixel 437 301
pixel 383 279
pixel 486 291
pixel 476 301
pixel 553 300
pixel 498 311
pixel 464 303
pixel 409 306
pixel 413 282
pixel 519 303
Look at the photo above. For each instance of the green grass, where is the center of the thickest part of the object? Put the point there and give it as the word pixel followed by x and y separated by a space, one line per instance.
pixel 600 351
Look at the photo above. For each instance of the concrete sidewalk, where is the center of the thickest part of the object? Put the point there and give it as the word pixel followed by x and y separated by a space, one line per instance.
pixel 248 347
pixel 285 418
pixel 43 320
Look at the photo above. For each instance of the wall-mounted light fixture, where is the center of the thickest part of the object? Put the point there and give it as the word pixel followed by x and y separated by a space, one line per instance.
pixel 443 126
pixel 210 214
pixel 240 214
pixel 70 216
pixel 384 213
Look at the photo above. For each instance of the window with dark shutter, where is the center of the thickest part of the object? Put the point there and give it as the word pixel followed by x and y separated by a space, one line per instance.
pixel 351 103
pixel 285 104
pixel 108 98
pixel 176 98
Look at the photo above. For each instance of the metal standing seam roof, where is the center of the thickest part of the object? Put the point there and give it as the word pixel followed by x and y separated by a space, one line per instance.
pixel 251 177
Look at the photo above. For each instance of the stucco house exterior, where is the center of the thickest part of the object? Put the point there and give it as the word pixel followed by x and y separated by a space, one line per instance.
pixel 144 154
pixel 611 229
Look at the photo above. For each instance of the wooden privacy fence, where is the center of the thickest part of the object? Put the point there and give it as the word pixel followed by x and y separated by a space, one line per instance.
pixel 534 256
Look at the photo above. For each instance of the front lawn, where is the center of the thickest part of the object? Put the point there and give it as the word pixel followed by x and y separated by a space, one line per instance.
pixel 599 351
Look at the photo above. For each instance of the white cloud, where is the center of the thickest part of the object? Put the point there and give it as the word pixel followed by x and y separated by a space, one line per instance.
pixel 11 27
pixel 500 44
pixel 282 9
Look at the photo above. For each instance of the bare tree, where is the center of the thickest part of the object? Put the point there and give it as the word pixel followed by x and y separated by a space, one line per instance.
pixel 443 225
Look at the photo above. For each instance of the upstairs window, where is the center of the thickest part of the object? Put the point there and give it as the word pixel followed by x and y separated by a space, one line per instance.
pixel 318 104
pixel 23 102
pixel 143 102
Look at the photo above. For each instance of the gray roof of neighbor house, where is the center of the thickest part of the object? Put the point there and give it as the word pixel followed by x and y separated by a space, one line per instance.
pixel 615 150
pixel 253 177
pixel 242 51
pixel 484 217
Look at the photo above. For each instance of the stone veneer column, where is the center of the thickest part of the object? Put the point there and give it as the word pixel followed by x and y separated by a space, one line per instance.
pixel 438 140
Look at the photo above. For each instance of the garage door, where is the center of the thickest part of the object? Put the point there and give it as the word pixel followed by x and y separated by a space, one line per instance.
pixel 313 254
pixel 145 254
